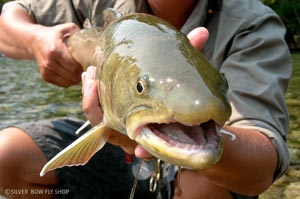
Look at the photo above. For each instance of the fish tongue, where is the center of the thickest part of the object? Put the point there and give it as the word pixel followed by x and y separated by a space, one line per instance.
pixel 181 134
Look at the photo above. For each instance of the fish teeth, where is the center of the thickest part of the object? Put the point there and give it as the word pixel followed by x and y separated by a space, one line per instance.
pixel 177 133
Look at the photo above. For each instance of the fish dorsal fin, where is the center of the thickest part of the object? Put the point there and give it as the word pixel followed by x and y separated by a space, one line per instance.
pixel 81 150
pixel 111 15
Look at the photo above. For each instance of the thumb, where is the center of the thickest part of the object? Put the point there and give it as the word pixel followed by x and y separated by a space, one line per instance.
pixel 90 100
pixel 67 29
pixel 198 37
pixel 88 80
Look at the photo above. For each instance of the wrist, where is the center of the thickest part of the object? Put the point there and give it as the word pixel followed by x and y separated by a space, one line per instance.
pixel 35 39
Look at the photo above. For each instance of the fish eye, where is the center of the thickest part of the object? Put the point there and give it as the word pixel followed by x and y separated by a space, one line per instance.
pixel 141 86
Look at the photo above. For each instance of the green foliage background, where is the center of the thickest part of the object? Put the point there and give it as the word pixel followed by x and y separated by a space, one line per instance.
pixel 288 10
pixel 3 1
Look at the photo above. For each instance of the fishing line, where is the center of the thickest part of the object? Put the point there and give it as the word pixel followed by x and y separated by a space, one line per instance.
pixel 178 189
pixel 225 132
pixel 136 180
pixel 82 127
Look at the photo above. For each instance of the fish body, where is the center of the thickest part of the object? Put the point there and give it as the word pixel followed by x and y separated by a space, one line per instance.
pixel 154 87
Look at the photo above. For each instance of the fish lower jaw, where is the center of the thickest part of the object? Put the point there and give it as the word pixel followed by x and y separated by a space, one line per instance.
pixel 181 150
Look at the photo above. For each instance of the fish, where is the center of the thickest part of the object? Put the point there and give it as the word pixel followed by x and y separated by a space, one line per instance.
pixel 154 87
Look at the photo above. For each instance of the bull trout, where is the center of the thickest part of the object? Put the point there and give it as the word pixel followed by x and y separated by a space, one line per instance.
pixel 155 87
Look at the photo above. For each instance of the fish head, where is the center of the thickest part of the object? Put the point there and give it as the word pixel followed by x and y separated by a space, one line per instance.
pixel 161 92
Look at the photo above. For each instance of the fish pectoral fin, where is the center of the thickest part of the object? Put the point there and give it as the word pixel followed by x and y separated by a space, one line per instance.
pixel 81 150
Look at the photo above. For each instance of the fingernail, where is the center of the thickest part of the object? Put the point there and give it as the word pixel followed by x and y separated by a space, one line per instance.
pixel 83 75
pixel 90 72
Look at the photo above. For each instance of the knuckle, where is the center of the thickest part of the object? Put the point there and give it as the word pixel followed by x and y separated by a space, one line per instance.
pixel 52 52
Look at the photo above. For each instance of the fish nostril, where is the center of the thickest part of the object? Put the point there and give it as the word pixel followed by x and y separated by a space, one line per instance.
pixel 168 87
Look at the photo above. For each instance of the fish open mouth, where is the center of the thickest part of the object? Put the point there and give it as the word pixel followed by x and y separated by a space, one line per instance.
pixel 195 147
pixel 204 136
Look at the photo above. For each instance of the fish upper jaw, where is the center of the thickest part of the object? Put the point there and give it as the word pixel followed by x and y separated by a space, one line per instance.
pixel 142 115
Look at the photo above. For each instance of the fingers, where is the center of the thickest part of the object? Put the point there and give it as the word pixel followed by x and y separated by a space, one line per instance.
pixel 70 69
pixel 198 37
pixel 122 140
pixel 90 101
pixel 67 61
pixel 140 152
pixel 56 64
pixel 56 73
pixel 68 29
pixel 94 113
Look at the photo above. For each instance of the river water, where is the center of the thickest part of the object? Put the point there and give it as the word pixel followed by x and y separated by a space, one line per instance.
pixel 25 97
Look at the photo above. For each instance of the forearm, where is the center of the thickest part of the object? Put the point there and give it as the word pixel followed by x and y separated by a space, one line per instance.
pixel 247 165
pixel 16 33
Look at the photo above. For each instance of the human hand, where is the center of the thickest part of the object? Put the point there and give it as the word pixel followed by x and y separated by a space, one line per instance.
pixel 94 113
pixel 90 99
pixel 198 37
pixel 56 64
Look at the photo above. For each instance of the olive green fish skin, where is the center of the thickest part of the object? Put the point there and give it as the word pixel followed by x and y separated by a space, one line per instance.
pixel 148 72
pixel 82 45
pixel 179 81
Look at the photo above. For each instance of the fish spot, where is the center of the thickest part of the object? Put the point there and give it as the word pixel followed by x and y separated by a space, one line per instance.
pixel 168 87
